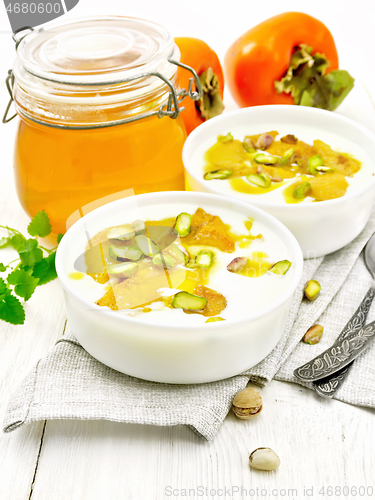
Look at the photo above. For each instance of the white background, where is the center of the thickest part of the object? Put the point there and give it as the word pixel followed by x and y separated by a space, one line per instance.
pixel 220 22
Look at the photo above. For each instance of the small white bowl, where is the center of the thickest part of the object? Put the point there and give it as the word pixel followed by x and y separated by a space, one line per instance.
pixel 165 353
pixel 321 227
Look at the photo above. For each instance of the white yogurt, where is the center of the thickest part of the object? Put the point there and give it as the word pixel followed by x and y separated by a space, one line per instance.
pixel 244 295
pixel 305 134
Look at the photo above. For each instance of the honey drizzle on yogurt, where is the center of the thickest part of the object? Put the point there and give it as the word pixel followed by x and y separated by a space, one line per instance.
pixel 180 277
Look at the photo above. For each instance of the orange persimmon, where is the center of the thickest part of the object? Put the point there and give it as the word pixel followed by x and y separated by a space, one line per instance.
pixel 205 62
pixel 286 60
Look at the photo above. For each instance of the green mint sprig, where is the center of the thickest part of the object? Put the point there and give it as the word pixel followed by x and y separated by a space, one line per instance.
pixel 34 266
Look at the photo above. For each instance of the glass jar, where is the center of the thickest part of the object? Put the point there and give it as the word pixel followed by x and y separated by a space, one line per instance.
pixel 96 100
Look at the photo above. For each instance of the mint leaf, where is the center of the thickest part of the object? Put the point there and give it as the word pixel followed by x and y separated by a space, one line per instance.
pixel 30 254
pixel 59 237
pixel 45 269
pixel 2 268
pixel 3 287
pixel 4 242
pixel 40 225
pixel 11 309
pixel 24 283
pixel 18 242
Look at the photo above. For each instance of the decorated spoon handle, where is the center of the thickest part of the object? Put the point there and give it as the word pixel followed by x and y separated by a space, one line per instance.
pixel 351 342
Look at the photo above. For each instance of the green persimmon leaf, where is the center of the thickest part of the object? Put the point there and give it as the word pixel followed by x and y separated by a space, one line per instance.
pixel 25 284
pixel 340 83
pixel 40 225
pixel 309 85
pixel 45 270
pixel 31 254
pixel 11 309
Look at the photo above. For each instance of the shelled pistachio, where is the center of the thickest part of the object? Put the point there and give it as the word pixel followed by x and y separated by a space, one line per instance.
pixel 313 335
pixel 265 159
pixel 312 290
pixel 236 264
pixel 313 163
pixel 248 145
pixel 163 260
pixel 260 180
pixel 122 233
pixel 264 141
pixel 178 253
pixel 217 174
pixel 189 302
pixel 264 459
pixel 204 259
pixel 281 267
pixel 289 139
pixel 287 156
pixel 146 245
pixel 124 270
pixel 302 190
pixel 139 227
pixel 125 253
pixel 183 223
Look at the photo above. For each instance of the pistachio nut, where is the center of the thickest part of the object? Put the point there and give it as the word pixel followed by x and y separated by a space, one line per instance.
pixel 312 289
pixel 264 141
pixel 313 335
pixel 281 267
pixel 264 459
pixel 260 180
pixel 313 163
pixel 247 403
pixel 287 156
pixel 289 139
pixel 237 264
pixel 182 225
pixel 217 174
pixel 265 159
pixel 302 190
pixel 248 145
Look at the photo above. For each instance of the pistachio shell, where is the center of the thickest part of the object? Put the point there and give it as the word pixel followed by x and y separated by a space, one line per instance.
pixel 247 403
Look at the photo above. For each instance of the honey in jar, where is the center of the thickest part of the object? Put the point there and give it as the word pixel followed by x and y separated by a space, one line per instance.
pixel 92 99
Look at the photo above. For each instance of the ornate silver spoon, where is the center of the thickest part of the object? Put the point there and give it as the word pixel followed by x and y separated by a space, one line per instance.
pixel 329 370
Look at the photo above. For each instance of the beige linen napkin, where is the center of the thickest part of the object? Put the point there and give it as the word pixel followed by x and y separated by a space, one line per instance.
pixel 70 384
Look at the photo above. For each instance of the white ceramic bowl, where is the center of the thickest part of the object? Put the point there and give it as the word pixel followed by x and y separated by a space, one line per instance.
pixel 321 227
pixel 183 354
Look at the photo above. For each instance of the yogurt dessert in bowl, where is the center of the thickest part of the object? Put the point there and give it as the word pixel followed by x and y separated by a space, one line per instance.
pixel 312 169
pixel 178 287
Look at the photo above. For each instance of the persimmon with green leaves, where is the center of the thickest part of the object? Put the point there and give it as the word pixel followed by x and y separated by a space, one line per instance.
pixel 197 54
pixel 290 58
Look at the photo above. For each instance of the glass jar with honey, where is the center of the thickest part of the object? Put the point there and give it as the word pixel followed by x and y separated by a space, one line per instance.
pixel 98 102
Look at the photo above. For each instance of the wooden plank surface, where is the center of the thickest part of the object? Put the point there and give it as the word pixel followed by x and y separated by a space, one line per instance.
pixel 321 443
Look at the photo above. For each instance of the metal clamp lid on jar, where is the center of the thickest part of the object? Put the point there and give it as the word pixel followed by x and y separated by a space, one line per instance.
pixel 169 108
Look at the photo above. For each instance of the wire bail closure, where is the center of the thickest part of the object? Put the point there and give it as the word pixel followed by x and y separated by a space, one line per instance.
pixel 170 108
